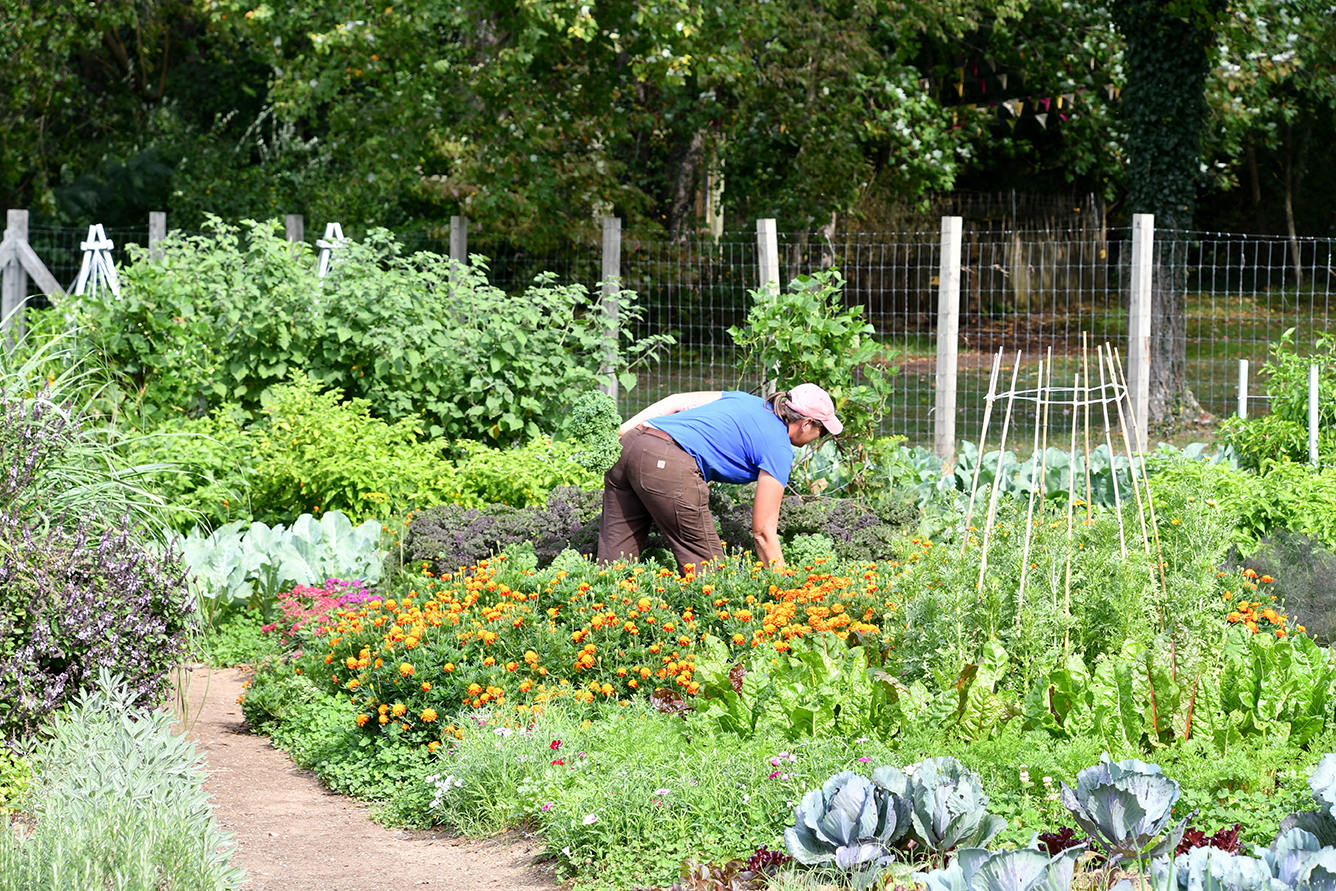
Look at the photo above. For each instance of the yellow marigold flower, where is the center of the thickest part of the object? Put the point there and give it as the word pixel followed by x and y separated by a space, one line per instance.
pixel 399 710
pixel 433 746
pixel 474 689
pixel 426 686
pixel 530 657
pixel 362 720
pixel 406 669
pixel 428 715
pixel 384 719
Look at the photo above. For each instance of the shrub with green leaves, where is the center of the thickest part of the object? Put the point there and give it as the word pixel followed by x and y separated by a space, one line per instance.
pixel 808 335
pixel 1282 435
pixel 118 802
pixel 226 316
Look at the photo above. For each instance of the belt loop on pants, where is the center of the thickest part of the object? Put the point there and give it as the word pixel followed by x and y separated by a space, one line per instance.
pixel 655 431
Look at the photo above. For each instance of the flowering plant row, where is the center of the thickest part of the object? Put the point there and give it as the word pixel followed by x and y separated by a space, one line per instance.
pixel 495 634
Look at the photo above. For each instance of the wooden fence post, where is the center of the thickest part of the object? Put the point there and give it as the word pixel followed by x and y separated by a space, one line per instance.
pixel 1138 324
pixel 612 285
pixel 13 279
pixel 948 344
pixel 767 255
pixel 295 226
pixel 157 231
pixel 459 246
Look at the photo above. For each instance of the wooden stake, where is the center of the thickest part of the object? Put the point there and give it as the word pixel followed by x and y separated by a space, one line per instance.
pixel 983 438
pixel 1127 446
pixel 997 477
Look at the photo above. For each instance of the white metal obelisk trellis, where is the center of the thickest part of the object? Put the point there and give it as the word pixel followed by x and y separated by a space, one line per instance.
pixel 333 239
pixel 98 270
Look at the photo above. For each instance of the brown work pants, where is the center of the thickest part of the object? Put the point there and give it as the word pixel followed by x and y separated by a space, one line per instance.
pixel 655 481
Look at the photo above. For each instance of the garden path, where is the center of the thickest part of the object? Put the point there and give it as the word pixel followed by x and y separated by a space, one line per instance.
pixel 293 834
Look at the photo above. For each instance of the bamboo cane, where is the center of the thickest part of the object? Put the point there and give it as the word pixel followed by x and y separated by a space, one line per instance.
pixel 1108 442
pixel 1071 514
pixel 1127 447
pixel 983 438
pixel 997 477
pixel 1085 375
pixel 1150 503
pixel 1037 460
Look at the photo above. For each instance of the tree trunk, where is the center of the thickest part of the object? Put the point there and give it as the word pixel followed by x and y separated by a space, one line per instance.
pixel 1255 181
pixel 1289 210
pixel 1164 104
pixel 682 212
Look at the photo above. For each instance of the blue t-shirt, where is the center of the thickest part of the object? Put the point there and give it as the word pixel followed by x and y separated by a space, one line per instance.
pixel 733 438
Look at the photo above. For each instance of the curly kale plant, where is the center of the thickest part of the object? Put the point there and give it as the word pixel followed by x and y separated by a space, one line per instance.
pixel 848 821
pixel 950 808
pixel 1124 806
pixel 592 429
pixel 449 536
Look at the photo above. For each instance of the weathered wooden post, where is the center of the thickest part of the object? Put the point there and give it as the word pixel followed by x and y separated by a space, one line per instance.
pixel 459 246
pixel 767 255
pixel 157 231
pixel 14 286
pixel 948 345
pixel 612 286
pixel 1138 325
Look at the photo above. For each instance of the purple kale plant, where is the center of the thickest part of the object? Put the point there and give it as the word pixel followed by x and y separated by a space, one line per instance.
pixel 74 597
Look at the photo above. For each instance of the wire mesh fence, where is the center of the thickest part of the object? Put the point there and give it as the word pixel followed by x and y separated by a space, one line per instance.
pixel 1028 292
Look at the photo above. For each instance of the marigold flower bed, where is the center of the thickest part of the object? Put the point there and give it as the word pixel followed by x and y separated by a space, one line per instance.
pixel 491 635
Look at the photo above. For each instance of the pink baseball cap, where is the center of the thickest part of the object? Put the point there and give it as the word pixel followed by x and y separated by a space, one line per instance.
pixel 811 401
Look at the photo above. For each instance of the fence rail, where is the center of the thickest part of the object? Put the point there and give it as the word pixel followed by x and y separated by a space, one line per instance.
pixel 1020 291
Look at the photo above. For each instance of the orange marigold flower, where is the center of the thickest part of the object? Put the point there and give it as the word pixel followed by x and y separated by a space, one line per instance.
pixel 474 689
pixel 1250 573
pixel 399 710
pixel 406 669
pixel 428 715
pixel 362 720
pixel 384 719
pixel 433 746
pixel 426 686
pixel 1266 579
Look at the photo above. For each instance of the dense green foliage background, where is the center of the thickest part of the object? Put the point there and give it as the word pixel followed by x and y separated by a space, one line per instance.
pixel 532 118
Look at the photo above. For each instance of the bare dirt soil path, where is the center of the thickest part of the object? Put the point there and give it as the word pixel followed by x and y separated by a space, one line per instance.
pixel 293 834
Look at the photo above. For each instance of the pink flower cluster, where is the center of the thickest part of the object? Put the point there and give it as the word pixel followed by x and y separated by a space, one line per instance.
pixel 310 605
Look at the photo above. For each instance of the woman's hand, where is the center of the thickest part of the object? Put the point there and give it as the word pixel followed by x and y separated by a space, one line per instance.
pixel 765 520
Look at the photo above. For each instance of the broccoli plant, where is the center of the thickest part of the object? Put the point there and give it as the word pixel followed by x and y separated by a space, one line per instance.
pixel 593 429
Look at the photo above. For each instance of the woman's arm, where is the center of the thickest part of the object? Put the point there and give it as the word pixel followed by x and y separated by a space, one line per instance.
pixel 765 520
pixel 670 405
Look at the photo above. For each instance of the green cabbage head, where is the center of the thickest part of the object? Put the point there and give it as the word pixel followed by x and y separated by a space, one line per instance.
pixel 848 821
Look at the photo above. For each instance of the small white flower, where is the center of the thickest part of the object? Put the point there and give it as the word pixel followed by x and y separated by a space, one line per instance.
pixel 590 819
pixel 662 792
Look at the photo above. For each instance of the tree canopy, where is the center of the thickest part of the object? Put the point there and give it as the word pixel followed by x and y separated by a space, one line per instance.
pixel 533 118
